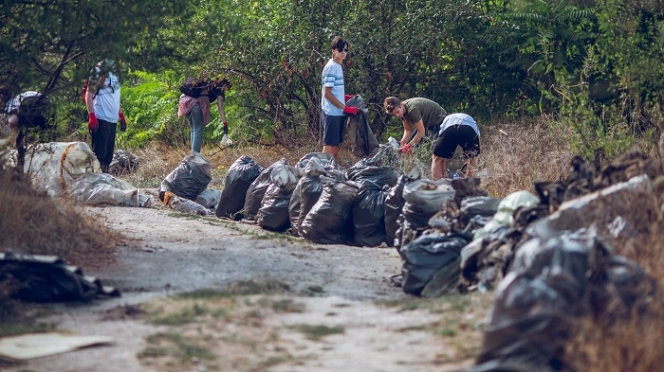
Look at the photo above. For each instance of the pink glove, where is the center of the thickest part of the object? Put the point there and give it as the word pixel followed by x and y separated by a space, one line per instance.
pixel 93 123
pixel 123 122
pixel 350 110
pixel 348 96
pixel 405 149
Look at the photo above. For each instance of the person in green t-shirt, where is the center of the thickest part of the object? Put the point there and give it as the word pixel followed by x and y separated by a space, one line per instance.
pixel 419 116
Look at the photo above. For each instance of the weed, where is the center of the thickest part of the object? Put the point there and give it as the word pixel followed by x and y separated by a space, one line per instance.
pixel 175 345
pixel 180 317
pixel 316 332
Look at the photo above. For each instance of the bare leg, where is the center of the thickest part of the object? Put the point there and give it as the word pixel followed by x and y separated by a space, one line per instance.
pixel 438 168
pixel 332 150
pixel 471 167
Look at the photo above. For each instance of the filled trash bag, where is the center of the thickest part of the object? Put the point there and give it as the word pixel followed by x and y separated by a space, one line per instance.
pixel 53 167
pixel 273 213
pixel 209 198
pixel 184 205
pixel 428 254
pixel 37 278
pixel 257 189
pixel 327 160
pixel 394 202
pixel 423 199
pixel 330 219
pixel 506 207
pixel 188 179
pixel 104 189
pixel 381 176
pixel 240 176
pixel 308 189
pixel 477 206
pixel 369 215
pixel 556 281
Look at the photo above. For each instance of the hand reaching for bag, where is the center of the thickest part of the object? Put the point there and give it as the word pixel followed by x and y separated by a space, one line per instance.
pixel 406 149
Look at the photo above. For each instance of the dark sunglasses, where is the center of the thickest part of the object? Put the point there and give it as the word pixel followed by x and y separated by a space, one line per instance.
pixel 345 50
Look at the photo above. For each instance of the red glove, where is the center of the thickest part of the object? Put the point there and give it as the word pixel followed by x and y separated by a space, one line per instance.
pixel 93 123
pixel 348 96
pixel 405 149
pixel 225 127
pixel 350 110
pixel 123 122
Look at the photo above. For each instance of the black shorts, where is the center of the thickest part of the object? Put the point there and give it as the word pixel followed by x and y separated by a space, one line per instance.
pixel 457 135
pixel 333 129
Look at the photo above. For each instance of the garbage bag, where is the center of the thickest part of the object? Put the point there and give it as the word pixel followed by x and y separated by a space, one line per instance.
pixel 184 205
pixel 477 206
pixel 188 179
pixel 394 202
pixel 428 254
pixel 104 189
pixel 423 199
pixel 369 215
pixel 53 167
pixel 327 160
pixel 37 278
pixel 209 198
pixel 240 176
pixel 273 213
pixel 381 176
pixel 257 189
pixel 330 219
pixel 505 212
pixel 556 281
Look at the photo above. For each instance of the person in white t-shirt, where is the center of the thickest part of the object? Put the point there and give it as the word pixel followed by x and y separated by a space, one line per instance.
pixel 102 100
pixel 333 98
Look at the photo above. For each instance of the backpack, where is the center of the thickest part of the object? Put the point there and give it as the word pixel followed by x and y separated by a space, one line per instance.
pixel 102 81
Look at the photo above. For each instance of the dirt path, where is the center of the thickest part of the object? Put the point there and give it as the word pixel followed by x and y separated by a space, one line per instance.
pixel 279 304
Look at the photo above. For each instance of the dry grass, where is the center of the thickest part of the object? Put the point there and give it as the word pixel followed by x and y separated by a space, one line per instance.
pixel 38 224
pixel 515 155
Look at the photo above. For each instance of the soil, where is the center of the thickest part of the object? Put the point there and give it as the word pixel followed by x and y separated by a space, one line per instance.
pixel 312 307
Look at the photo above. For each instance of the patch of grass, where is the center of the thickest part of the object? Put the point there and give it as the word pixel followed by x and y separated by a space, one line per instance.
pixel 17 318
pixel 282 306
pixel 181 316
pixel 316 332
pixel 174 345
pixel 240 288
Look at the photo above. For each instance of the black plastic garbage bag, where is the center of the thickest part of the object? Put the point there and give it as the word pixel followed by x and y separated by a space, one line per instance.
pixel 36 278
pixel 327 160
pixel 369 215
pixel 428 254
pixel 189 179
pixel 484 206
pixel 330 219
pixel 394 202
pixel 555 282
pixel 423 199
pixel 257 189
pixel 307 191
pixel 381 176
pixel 273 214
pixel 240 176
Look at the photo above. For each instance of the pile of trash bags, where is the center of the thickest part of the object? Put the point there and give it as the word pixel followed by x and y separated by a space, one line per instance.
pixel 72 169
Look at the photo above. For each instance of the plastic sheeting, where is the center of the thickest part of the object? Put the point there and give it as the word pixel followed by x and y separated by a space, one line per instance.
pixel 37 278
